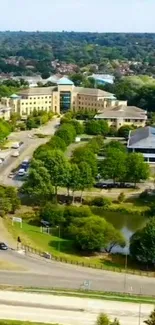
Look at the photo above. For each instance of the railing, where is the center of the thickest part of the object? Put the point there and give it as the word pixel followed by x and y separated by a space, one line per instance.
pixel 31 250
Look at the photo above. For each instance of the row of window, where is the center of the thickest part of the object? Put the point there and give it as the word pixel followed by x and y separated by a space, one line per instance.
pixel 35 103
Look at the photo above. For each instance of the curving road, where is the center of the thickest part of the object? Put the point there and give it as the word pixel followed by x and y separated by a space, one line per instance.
pixel 44 273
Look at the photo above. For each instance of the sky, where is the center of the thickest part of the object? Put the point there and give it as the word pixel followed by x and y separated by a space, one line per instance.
pixel 78 15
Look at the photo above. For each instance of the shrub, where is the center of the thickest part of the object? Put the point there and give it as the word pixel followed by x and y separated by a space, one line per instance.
pixel 101 202
pixel 121 197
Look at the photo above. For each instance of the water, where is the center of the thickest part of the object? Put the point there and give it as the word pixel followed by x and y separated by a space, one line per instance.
pixel 128 224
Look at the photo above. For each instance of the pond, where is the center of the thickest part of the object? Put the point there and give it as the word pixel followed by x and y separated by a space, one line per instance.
pixel 127 223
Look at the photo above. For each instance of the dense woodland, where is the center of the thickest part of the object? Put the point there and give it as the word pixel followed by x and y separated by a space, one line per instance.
pixel 80 48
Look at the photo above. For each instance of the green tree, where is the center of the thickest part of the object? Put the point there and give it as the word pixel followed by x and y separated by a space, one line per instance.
pixel 124 130
pixel 73 180
pixel 12 194
pixel 115 145
pixel 57 143
pixel 103 319
pixel 38 184
pixel 114 165
pixel 52 213
pixel 86 178
pixel 142 244
pixel 137 168
pixel 89 233
pixel 57 166
pixel 96 144
pixel 67 133
pixel 94 127
pixel 85 154
pixel 151 319
pixel 5 206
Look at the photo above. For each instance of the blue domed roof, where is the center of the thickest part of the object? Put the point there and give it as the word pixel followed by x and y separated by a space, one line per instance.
pixel 65 81
pixel 14 96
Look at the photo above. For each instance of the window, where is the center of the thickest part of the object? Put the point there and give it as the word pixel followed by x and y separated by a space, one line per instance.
pixel 55 107
pixel 127 120
pixel 45 102
pixel 34 103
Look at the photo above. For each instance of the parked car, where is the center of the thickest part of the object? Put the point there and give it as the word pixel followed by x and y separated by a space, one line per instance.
pixel 101 185
pixel 21 172
pixel 15 154
pixel 3 246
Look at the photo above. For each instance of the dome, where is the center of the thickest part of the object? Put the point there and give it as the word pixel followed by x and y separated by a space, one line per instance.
pixel 65 82
pixel 14 96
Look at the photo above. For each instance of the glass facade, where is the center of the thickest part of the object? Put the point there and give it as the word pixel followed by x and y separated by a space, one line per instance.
pixel 65 100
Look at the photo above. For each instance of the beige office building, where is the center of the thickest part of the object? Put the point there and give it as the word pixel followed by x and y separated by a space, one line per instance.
pixel 65 96
pixel 122 114
pixel 58 99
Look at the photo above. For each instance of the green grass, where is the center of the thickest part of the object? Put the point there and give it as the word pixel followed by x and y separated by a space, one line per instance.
pixel 124 297
pixel 31 236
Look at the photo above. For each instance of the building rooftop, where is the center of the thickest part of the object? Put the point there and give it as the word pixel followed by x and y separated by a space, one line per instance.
pixel 36 91
pixel 142 138
pixel 65 82
pixel 14 96
pixel 123 111
pixel 93 92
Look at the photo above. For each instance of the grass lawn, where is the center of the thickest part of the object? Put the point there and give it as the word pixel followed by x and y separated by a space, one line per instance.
pixel 64 249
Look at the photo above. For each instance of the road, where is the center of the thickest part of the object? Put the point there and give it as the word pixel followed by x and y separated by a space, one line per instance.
pixel 45 273
pixel 26 150
pixel 68 310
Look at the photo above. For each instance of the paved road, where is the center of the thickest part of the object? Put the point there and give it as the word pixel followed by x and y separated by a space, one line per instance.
pixel 26 150
pixel 68 310
pixel 44 273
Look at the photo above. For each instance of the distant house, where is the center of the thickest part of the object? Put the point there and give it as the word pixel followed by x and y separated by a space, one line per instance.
pixel 103 79
pixel 143 141
pixel 121 114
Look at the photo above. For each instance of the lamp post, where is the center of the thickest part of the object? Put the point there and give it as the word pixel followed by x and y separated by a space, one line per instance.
pixel 126 266
pixel 140 306
pixel 59 239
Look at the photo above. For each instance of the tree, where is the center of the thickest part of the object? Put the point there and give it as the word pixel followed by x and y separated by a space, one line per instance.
pixel 114 238
pixel 79 127
pixel 38 184
pixel 124 130
pixel 95 127
pixel 86 178
pixel 103 319
pixel 137 168
pixel 57 143
pixel 142 244
pixel 94 233
pixel 73 180
pixel 67 133
pixel 85 154
pixel 96 144
pixel 12 194
pixel 52 213
pixel 115 145
pixel 88 233
pixel 57 167
pixel 114 165
pixel 151 319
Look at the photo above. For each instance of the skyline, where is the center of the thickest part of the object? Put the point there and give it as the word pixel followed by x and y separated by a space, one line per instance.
pixel 78 15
